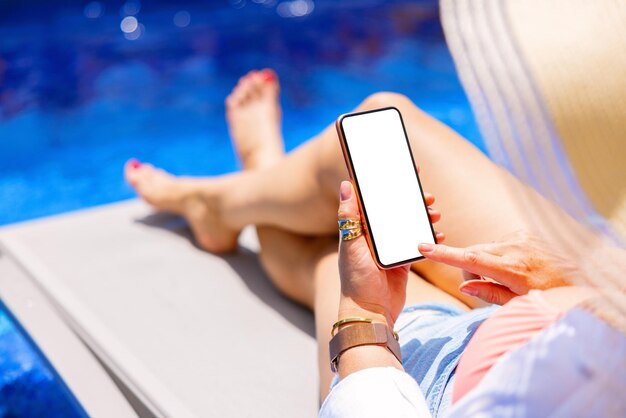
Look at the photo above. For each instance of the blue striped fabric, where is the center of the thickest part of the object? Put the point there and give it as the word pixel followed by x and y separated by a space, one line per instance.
pixel 432 338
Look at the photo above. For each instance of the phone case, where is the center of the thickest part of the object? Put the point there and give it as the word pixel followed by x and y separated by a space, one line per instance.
pixel 364 221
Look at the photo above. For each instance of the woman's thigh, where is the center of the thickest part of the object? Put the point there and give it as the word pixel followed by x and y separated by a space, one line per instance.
pixel 480 201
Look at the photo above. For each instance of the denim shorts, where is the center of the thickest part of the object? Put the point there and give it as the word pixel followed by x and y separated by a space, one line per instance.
pixel 432 338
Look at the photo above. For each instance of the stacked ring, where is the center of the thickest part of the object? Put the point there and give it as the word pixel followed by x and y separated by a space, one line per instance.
pixel 350 229
pixel 349 224
pixel 350 234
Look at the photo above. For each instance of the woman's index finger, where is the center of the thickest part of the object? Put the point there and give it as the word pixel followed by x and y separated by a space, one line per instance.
pixel 474 259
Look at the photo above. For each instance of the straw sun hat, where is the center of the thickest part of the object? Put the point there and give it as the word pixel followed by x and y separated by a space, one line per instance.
pixel 547 81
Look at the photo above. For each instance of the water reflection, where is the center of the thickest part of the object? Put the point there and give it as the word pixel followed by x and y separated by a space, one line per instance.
pixel 93 10
pixel 129 24
pixel 182 19
pixel 295 8
pixel 54 64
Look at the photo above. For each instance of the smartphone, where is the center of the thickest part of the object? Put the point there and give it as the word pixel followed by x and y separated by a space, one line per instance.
pixel 381 166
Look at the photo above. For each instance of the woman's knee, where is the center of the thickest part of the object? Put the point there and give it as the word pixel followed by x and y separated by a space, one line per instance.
pixel 387 99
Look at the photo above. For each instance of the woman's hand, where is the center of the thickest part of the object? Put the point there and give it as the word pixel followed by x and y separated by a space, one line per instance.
pixel 518 263
pixel 366 290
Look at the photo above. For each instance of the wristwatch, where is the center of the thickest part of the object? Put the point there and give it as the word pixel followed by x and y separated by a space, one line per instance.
pixel 358 334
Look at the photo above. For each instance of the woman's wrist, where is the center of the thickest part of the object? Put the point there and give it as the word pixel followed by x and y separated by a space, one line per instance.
pixel 366 357
pixel 348 308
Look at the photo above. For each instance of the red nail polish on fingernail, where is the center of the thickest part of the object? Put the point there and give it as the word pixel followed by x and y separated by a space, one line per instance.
pixel 134 164
pixel 268 76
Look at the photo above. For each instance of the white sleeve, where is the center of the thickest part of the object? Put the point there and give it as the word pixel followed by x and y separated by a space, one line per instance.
pixel 376 392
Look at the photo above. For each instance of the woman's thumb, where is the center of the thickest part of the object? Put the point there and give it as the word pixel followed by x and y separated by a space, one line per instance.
pixel 488 291
pixel 348 207
pixel 352 245
pixel 350 228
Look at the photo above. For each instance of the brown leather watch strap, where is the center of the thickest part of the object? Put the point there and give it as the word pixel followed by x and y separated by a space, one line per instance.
pixel 362 334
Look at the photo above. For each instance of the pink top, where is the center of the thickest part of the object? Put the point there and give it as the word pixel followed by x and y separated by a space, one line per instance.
pixel 508 328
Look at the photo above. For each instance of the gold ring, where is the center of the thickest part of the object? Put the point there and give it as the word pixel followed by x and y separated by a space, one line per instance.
pixel 345 224
pixel 350 234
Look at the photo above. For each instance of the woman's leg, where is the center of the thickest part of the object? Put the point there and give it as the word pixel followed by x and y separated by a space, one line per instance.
pixel 253 114
pixel 479 201
pixel 302 268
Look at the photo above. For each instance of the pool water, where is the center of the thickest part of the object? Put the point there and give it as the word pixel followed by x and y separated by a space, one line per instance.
pixel 78 96
pixel 29 386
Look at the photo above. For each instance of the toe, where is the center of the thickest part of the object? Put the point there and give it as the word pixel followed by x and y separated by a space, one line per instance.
pixel 257 84
pixel 269 75
pixel 270 80
pixel 254 84
pixel 131 171
pixel 239 88
pixel 229 102
pixel 138 175
pixel 248 89
pixel 236 97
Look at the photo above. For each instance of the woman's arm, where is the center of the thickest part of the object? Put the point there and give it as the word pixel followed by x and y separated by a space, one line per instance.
pixel 372 380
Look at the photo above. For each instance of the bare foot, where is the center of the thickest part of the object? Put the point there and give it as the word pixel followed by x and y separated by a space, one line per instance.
pixel 198 200
pixel 253 114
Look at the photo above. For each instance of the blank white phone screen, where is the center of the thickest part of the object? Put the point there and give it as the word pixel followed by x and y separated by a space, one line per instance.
pixel 390 191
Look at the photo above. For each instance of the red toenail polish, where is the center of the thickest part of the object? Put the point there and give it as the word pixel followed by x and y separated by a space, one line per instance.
pixel 134 164
pixel 268 76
